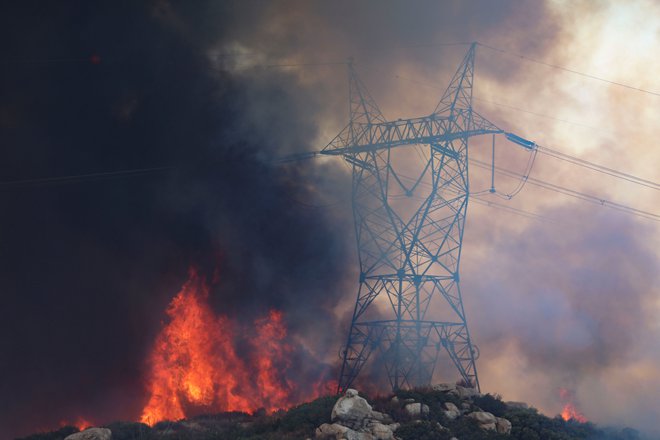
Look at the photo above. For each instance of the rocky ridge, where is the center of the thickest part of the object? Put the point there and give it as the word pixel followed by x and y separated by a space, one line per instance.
pixel 353 418
pixel 442 412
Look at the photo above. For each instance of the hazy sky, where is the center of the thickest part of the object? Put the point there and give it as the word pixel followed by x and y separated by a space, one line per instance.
pixel 88 267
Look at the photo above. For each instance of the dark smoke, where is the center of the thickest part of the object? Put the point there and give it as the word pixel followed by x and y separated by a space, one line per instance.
pixel 89 267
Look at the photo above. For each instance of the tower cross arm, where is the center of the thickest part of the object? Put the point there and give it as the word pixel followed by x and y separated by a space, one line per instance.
pixel 431 129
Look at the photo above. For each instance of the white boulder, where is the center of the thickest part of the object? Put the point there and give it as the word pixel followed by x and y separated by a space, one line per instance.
pixel 381 432
pixel 417 409
pixel 91 434
pixel 452 412
pixel 352 411
pixel 444 387
pixel 503 425
pixel 485 420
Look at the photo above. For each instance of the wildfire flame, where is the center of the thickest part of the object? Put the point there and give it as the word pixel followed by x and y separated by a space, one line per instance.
pixel 195 363
pixel 81 423
pixel 569 412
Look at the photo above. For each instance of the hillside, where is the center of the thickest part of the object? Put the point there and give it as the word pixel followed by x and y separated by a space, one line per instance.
pixel 440 413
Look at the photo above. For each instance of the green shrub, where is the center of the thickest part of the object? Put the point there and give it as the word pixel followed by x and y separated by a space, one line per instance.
pixel 468 428
pixel 308 416
pixel 60 434
pixel 422 430
pixel 128 430
pixel 491 404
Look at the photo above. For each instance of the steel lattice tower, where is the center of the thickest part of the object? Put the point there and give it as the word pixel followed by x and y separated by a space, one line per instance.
pixel 412 260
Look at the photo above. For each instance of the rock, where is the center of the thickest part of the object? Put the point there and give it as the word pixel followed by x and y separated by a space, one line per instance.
pixel 354 419
pixel 385 419
pixel 465 406
pixel 485 420
pixel 417 409
pixel 450 415
pixel 466 393
pixel 381 432
pixel 395 399
pixel 503 425
pixel 328 431
pixel 482 417
pixel 353 435
pixel 352 411
pixel 91 434
pixel 452 411
pixel 444 387
pixel 336 431
pixel 409 401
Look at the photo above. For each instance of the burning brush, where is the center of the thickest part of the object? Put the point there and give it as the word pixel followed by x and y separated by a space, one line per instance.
pixel 197 366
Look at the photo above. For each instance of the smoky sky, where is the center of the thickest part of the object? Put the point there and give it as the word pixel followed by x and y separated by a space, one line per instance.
pixel 88 267
pixel 573 297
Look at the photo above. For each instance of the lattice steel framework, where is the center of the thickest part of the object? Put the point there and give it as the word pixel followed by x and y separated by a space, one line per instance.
pixel 412 258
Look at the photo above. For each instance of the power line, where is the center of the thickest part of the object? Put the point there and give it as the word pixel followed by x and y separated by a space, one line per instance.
pixel 566 69
pixel 512 210
pixel 332 63
pixel 571 192
pixel 536 182
pixel 488 203
pixel 563 156
pixel 81 177
pixel 499 104
pixel 599 168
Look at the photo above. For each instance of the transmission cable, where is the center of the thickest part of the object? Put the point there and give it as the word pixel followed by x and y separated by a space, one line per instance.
pixel 523 180
pixel 566 69
pixel 599 168
pixel 558 154
pixel 571 192
pixel 82 177
pixel 484 202
pixel 546 185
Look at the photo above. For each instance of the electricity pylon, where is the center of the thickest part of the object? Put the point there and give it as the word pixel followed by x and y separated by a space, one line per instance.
pixel 410 256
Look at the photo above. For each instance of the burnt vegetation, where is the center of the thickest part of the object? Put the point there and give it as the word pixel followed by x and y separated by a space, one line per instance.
pixel 301 422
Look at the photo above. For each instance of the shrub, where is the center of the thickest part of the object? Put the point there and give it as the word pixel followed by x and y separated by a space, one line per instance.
pixel 468 428
pixel 422 430
pixel 308 416
pixel 491 404
pixel 60 434
pixel 128 430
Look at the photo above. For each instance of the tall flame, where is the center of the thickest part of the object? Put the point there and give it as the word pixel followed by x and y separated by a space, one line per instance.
pixel 195 364
pixel 569 411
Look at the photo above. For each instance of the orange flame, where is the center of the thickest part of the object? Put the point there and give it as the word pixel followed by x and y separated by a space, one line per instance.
pixel 81 423
pixel 195 364
pixel 569 412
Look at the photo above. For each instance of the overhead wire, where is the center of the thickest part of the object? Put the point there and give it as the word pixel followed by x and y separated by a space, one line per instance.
pixel 75 178
pixel 488 203
pixel 512 107
pixel 523 180
pixel 517 211
pixel 571 192
pixel 566 69
pixel 560 155
pixel 599 168
pixel 556 188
